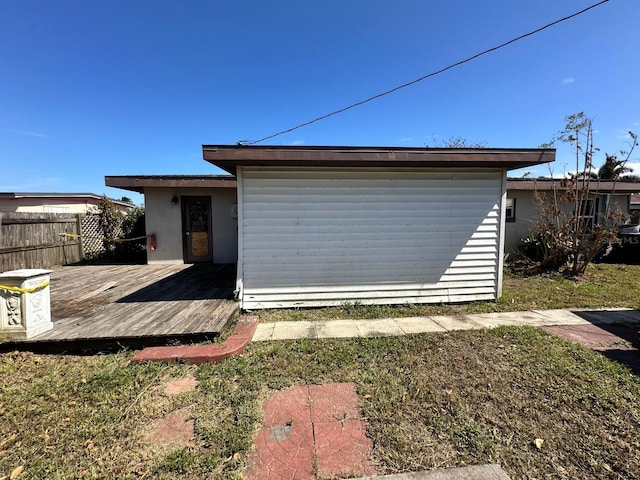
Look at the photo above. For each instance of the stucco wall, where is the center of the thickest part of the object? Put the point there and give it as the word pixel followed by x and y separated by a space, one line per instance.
pixel 164 220
pixel 527 212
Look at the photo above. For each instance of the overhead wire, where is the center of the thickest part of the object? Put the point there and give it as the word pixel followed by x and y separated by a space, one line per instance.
pixel 424 77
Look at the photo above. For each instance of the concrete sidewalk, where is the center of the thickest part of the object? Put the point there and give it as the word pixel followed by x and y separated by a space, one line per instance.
pixel 479 472
pixel 441 323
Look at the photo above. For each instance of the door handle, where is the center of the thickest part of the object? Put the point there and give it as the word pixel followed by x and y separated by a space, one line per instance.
pixel 187 233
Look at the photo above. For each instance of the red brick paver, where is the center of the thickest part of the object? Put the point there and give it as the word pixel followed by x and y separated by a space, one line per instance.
pixel 181 385
pixel 618 342
pixel 337 401
pixel 342 449
pixel 283 452
pixel 175 430
pixel 308 430
pixel 596 337
pixel 197 354
pixel 287 407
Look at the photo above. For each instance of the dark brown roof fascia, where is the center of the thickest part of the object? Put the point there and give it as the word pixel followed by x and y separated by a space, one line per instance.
pixel 137 183
pixel 228 157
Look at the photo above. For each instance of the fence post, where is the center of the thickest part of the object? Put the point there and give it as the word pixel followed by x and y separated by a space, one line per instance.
pixel 79 218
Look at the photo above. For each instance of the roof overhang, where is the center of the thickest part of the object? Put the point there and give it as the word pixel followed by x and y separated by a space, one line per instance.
pixel 92 197
pixel 592 185
pixel 229 157
pixel 137 183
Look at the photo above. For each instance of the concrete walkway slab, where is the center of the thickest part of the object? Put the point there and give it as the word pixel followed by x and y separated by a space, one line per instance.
pixel 288 330
pixel 479 472
pixel 439 323
pixel 449 322
pixel 379 328
pixel 264 331
pixel 491 320
pixel 418 325
pixel 338 329
pixel 561 317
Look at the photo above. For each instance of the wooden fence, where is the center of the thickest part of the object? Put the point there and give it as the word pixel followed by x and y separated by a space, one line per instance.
pixel 34 240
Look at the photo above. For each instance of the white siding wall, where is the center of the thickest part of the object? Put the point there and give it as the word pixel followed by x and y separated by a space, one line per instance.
pixel 316 237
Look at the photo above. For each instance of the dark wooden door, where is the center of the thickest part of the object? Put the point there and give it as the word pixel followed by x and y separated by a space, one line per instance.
pixel 196 229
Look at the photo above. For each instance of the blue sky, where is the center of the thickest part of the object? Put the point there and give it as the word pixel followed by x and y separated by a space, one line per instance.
pixel 89 88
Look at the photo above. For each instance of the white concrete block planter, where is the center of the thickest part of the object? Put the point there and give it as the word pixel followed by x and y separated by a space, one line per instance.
pixel 25 305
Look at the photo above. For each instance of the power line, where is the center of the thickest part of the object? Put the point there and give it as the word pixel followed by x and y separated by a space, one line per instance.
pixel 432 74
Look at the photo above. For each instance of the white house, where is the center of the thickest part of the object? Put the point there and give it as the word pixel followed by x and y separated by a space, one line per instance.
pixel 316 226
pixel 523 210
pixel 326 225
pixel 38 202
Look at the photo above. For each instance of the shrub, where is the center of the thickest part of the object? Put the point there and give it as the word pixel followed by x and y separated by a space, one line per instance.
pixel 133 227
pixel 570 231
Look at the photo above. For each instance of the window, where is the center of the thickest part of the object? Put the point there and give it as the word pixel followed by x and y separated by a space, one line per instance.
pixel 510 210
pixel 589 212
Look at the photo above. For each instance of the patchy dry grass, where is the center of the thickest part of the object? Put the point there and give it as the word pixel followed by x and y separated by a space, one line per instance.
pixel 431 401
pixel 70 417
pixel 603 286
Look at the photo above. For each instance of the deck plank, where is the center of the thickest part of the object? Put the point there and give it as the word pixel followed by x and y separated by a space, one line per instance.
pixel 131 301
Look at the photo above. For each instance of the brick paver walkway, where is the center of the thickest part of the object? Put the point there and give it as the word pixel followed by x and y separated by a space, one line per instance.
pixel 311 430
pixel 618 342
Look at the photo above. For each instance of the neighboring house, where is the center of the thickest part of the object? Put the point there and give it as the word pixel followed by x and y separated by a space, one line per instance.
pixel 323 226
pixel 54 202
pixel 634 207
pixel 193 218
pixel 522 209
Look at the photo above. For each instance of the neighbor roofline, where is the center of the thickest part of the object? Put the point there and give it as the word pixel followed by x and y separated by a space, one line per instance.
pixel 93 196
pixel 137 183
pixel 229 157
pixel 604 186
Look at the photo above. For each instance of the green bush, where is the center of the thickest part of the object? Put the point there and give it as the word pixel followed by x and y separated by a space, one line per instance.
pixel 133 227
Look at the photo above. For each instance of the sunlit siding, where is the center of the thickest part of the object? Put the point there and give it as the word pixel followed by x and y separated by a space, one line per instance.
pixel 314 237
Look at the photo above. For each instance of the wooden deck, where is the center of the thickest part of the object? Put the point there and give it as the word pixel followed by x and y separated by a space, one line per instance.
pixel 125 302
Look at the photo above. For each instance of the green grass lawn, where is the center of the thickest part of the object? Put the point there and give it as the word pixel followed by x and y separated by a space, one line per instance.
pixel 430 401
pixel 603 286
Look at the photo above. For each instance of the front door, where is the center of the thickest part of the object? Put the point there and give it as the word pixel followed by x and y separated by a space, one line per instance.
pixel 196 229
